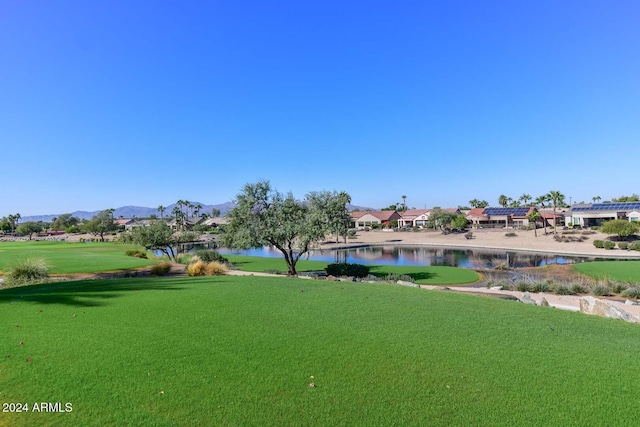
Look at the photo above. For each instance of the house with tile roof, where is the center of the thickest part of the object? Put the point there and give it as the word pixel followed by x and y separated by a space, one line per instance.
pixel 500 217
pixel 361 220
pixel 595 214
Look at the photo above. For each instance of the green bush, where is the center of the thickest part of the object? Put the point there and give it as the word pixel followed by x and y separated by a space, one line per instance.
pixel 346 269
pixel 27 271
pixel 598 243
pixel 578 288
pixel 619 287
pixel 623 245
pixel 634 246
pixel 351 234
pixel 541 287
pixel 608 244
pixel 601 290
pixel 209 255
pixel 510 234
pixel 633 292
pixel 523 286
pixel 562 289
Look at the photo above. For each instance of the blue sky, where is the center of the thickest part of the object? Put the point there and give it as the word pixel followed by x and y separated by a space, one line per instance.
pixel 105 104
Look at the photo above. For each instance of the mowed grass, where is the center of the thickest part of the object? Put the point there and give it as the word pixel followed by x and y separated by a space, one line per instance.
pixel 243 351
pixel 623 271
pixel 69 258
pixel 432 275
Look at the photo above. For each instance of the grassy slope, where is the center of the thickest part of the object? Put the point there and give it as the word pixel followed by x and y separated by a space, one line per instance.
pixel 64 257
pixel 624 271
pixel 435 275
pixel 241 350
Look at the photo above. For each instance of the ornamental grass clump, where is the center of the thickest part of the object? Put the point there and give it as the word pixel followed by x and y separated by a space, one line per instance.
pixel 215 268
pixel 29 270
pixel 633 292
pixel 201 268
pixel 161 269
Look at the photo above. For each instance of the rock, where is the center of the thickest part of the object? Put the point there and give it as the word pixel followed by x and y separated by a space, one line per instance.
pixel 441 288
pixel 591 305
pixel 496 288
pixel 403 283
pixel 526 299
pixel 544 302
pixel 331 278
pixel 629 302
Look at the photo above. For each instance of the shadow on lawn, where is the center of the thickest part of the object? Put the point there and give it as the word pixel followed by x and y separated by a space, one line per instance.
pixel 86 293
pixel 379 270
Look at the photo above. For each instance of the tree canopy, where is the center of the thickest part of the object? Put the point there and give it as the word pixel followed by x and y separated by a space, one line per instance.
pixel 620 228
pixel 264 216
pixel 159 236
pixel 101 224
pixel 28 228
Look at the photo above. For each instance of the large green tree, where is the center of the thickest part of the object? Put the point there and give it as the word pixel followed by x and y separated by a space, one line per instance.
pixel 475 203
pixel 632 198
pixel 64 221
pixel 28 228
pixel 101 224
pixel 440 218
pixel 159 236
pixel 504 200
pixel 332 208
pixel 264 216
pixel 620 228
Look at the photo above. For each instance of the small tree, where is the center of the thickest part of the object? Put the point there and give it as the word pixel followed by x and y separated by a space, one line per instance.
pixel 158 236
pixel 557 199
pixel 101 224
pixel 620 227
pixel 533 217
pixel 263 216
pixel 459 222
pixel 440 218
pixel 28 229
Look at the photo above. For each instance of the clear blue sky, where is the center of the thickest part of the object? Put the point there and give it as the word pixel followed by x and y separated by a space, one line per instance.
pixel 105 104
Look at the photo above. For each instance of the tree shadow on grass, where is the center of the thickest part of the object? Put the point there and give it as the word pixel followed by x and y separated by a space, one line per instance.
pixel 87 293
pixel 415 275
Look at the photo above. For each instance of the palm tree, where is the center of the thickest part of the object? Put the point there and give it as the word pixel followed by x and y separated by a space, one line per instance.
pixel 557 198
pixel 533 216
pixel 525 198
pixel 161 209
pixel 596 199
pixel 542 201
pixel 404 202
pixel 504 200
pixel 197 209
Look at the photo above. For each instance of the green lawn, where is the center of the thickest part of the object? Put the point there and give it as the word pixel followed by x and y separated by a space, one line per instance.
pixel 243 350
pixel 623 271
pixel 433 275
pixel 64 258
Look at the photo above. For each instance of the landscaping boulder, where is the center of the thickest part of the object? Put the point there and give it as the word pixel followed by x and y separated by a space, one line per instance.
pixel 544 302
pixel 591 305
pixel 496 288
pixel 526 299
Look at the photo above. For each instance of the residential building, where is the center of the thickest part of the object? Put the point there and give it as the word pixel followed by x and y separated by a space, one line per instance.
pixel 594 214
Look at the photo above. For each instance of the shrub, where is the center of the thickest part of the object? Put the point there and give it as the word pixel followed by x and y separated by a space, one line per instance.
pixel 198 268
pixel 137 253
pixel 578 288
pixel 598 243
pixel 619 287
pixel 634 246
pixel 215 268
pixel 523 286
pixel 633 292
pixel 351 234
pixel 623 245
pixel 161 268
pixel 541 287
pixel 346 269
pixel 562 289
pixel 209 255
pixel 29 270
pixel 608 244
pixel 511 234
pixel 601 290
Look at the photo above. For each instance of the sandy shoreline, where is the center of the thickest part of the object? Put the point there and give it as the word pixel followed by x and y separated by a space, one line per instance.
pixel 524 241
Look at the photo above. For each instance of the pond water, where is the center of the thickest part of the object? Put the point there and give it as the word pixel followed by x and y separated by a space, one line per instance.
pixel 422 255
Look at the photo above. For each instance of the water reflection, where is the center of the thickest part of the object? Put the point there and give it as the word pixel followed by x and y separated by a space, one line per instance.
pixel 410 255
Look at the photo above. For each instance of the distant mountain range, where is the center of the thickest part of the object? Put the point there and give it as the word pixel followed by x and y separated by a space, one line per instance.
pixel 144 212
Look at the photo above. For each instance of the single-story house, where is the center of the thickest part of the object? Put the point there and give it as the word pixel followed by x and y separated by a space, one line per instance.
pixel 214 222
pixel 414 218
pixel 500 217
pixel 362 220
pixel 594 214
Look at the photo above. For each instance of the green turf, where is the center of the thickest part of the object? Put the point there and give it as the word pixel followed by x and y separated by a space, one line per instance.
pixel 63 257
pixel 433 275
pixel 242 350
pixel 624 271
